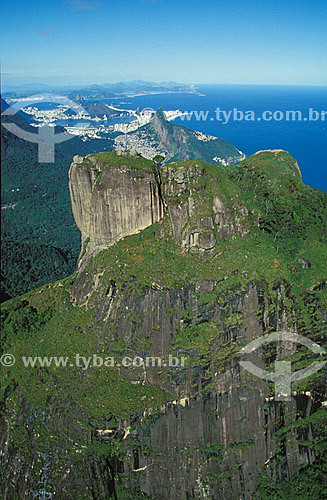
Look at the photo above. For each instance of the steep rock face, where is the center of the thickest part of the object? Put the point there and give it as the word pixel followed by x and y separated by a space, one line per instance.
pixel 213 440
pixel 110 203
pixel 209 442
pixel 215 445
pixel 216 436
pixel 20 479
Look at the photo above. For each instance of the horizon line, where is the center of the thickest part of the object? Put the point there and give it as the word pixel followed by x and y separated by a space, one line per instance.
pixel 186 84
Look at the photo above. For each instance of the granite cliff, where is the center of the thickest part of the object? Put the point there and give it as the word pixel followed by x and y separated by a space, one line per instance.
pixel 192 261
pixel 112 198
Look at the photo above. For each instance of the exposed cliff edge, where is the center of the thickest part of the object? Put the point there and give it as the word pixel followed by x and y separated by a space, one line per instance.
pixel 193 261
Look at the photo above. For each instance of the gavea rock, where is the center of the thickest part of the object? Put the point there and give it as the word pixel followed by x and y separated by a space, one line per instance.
pixel 120 193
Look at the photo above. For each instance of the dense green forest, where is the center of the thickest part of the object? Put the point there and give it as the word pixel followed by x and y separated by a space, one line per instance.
pixel 26 265
pixel 37 219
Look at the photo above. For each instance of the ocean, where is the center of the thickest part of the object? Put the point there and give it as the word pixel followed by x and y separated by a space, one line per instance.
pixel 306 140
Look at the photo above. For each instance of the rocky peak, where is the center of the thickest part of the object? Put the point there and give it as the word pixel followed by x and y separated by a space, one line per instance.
pixel 198 214
pixel 177 142
pixel 164 130
pixel 159 118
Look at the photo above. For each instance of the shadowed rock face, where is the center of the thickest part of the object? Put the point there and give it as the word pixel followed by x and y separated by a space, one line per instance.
pixel 224 431
pixel 110 202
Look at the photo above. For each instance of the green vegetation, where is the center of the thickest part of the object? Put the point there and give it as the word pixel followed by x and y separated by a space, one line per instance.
pixel 45 323
pixel 263 254
pixel 29 265
pixel 290 211
pixel 198 337
pixel 244 445
pixel 41 213
pixel 124 494
pixel 310 482
pixel 125 158
pixel 287 227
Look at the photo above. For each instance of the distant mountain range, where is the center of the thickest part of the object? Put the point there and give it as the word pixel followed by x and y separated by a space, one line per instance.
pixel 97 91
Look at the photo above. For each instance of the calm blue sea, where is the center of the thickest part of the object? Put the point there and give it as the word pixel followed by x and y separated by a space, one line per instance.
pixel 305 140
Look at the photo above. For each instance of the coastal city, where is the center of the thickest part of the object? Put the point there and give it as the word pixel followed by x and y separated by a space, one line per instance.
pixel 81 123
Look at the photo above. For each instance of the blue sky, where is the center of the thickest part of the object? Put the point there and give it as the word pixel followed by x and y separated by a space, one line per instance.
pixel 188 41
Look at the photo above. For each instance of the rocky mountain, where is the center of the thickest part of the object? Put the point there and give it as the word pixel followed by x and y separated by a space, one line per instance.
pixel 97 108
pixel 111 200
pixel 186 263
pixel 177 142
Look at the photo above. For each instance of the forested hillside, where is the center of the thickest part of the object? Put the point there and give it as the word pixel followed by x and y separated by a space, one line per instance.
pixel 36 212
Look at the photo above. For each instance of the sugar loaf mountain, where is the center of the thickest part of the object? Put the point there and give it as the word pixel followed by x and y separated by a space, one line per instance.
pixel 187 259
